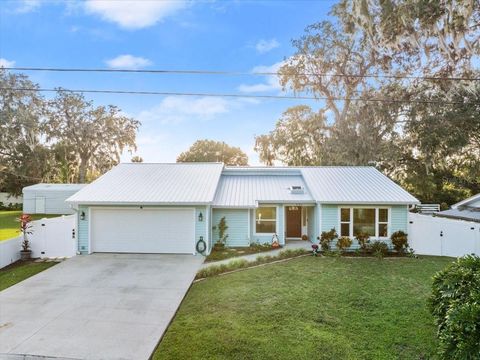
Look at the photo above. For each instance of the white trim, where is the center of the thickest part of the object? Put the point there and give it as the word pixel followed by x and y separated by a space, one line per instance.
pixel 89 214
pixel 351 207
pixel 206 219
pixel 248 227
pixel 276 221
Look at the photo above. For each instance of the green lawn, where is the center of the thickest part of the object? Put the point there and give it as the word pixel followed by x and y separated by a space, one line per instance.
pixel 20 271
pixel 9 226
pixel 309 308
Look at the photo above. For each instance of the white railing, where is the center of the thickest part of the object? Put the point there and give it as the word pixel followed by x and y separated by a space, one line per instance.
pixel 428 208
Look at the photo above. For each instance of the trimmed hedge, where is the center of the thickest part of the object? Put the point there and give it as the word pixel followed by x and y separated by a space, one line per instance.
pixel 455 304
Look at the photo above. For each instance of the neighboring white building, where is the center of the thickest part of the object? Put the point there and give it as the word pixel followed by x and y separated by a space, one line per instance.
pixel 49 198
pixel 7 199
pixel 468 210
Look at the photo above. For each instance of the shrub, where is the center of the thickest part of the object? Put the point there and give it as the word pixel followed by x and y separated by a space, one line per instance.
pixel 379 249
pixel 222 229
pixel 363 240
pixel 344 243
pixel 399 241
pixel 455 305
pixel 326 238
pixel 10 206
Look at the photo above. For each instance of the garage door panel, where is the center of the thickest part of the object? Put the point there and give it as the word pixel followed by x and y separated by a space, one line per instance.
pixel 143 230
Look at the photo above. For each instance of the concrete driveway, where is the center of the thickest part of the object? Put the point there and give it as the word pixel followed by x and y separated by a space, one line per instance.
pixel 100 306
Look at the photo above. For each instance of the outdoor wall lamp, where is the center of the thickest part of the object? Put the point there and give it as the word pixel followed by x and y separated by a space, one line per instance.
pixel 82 215
pixel 200 217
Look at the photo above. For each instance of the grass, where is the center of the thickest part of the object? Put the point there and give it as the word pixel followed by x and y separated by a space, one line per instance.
pixel 309 308
pixel 20 271
pixel 9 226
pixel 230 252
pixel 236 264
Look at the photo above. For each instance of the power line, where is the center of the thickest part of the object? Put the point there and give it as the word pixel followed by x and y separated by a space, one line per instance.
pixel 275 97
pixel 238 73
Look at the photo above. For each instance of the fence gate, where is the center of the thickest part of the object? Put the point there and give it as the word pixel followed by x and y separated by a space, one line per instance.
pixel 430 235
pixel 54 237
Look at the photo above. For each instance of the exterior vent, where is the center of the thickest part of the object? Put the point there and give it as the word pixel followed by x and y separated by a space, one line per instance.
pixel 296 189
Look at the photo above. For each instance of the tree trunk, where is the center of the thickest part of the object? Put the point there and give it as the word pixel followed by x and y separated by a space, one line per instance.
pixel 82 171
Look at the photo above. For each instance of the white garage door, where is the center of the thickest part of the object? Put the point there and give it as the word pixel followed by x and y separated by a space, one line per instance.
pixel 143 230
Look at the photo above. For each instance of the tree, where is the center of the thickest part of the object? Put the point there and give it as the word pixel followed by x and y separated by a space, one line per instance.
pixel 96 136
pixel 430 37
pixel 442 146
pixel 297 139
pixel 213 151
pixel 24 158
pixel 331 65
pixel 137 159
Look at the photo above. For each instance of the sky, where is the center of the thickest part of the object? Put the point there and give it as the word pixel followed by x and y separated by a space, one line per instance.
pixel 238 36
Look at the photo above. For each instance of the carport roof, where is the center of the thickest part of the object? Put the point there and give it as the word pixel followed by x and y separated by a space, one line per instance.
pixel 155 184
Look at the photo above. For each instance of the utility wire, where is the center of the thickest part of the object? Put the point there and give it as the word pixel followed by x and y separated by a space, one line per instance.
pixel 237 73
pixel 275 97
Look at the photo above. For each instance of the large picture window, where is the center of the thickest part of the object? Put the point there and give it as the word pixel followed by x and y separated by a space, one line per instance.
pixel 372 221
pixel 364 221
pixel 266 220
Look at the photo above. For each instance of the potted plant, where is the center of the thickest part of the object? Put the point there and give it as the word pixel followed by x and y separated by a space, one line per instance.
pixel 26 229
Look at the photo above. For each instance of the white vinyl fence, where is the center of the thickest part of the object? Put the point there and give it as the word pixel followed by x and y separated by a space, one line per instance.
pixel 51 238
pixel 430 235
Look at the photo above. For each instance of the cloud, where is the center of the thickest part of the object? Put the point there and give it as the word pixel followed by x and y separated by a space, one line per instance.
pixel 172 110
pixel 6 63
pixel 271 82
pixel 130 14
pixel 128 62
pixel 26 6
pixel 264 46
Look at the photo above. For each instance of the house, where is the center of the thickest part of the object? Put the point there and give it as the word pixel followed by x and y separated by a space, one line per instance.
pixel 48 198
pixel 468 209
pixel 169 208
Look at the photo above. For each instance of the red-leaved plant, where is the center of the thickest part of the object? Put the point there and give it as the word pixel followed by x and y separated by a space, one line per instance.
pixel 26 229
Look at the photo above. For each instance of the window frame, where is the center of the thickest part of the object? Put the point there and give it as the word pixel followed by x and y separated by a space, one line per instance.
pixel 272 220
pixel 377 222
pixel 349 222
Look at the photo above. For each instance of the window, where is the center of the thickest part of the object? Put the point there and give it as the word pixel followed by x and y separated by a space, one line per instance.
pixel 345 222
pixel 364 221
pixel 382 222
pixel 266 220
pixel 373 221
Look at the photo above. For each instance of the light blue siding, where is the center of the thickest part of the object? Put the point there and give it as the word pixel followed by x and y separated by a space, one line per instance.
pixel 82 231
pixel 399 218
pixel 329 219
pixel 201 226
pixel 237 222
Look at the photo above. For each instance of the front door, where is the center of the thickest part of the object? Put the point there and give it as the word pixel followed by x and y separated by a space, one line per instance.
pixel 294 222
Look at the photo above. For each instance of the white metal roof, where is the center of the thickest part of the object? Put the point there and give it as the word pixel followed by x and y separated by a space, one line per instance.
pixel 54 187
pixel 156 184
pixel 354 185
pixel 472 201
pixel 248 190
pixel 211 183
